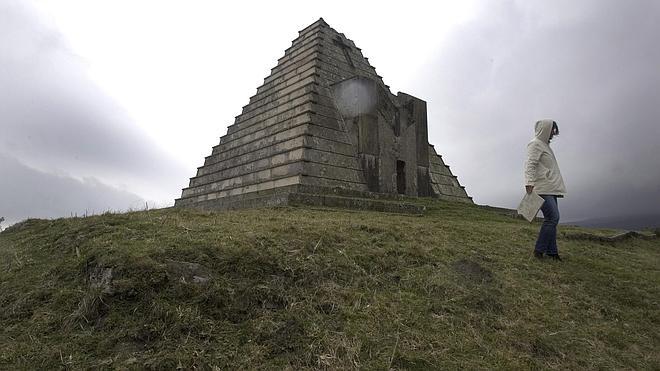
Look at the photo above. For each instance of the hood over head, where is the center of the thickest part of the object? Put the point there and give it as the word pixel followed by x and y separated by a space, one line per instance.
pixel 542 129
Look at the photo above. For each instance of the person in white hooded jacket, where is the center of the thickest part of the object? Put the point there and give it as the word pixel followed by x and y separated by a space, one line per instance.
pixel 543 177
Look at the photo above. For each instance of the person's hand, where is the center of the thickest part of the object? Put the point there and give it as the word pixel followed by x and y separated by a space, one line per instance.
pixel 529 188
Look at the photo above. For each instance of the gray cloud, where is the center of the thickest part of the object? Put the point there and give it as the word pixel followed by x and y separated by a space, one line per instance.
pixel 591 65
pixel 55 118
pixel 26 192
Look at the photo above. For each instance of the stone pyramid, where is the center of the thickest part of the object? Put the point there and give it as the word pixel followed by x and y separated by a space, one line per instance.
pixel 324 129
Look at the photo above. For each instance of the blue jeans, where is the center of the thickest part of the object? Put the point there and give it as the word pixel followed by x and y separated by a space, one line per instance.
pixel 547 241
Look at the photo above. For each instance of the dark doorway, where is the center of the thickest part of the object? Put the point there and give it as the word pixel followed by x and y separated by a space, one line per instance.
pixel 401 177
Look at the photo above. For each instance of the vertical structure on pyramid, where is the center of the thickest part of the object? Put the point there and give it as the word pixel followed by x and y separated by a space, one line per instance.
pixel 322 129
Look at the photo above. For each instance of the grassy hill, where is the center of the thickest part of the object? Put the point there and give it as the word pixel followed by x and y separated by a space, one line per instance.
pixel 308 288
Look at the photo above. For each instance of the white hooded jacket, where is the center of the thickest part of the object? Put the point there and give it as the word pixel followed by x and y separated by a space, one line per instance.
pixel 541 168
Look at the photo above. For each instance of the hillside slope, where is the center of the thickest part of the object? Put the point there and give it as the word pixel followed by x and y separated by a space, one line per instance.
pixel 307 288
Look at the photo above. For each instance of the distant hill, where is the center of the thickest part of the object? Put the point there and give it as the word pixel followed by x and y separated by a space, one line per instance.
pixel 306 288
pixel 629 222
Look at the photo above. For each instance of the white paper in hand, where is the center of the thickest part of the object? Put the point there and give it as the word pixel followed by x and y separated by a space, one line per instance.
pixel 530 205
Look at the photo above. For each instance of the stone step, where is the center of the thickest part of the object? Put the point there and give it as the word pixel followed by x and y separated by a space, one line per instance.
pixel 259 152
pixel 318 25
pixel 313 165
pixel 307 54
pixel 286 76
pixel 264 128
pixel 317 137
pixel 329 200
pixel 444 180
pixel 288 196
pixel 334 55
pixel 288 170
pixel 255 112
pixel 343 192
pixel 231 169
pixel 272 126
pixel 313 37
pixel 269 184
pixel 281 90
pixel 264 198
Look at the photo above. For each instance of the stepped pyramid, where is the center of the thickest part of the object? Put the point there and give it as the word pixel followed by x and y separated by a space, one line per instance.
pixel 324 129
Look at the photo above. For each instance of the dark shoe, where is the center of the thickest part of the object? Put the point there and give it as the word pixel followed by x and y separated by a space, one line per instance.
pixel 555 257
pixel 538 255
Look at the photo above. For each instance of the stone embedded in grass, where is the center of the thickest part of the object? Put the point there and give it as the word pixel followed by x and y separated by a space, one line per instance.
pixel 186 272
pixel 472 271
pixel 101 278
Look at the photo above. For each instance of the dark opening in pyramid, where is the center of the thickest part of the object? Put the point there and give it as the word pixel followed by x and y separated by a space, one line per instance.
pixel 323 129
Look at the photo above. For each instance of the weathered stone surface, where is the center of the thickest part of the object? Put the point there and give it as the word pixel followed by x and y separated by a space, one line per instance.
pixel 261 164
pixel 444 184
pixel 101 278
pixel 187 273
pixel 324 129
pixel 327 200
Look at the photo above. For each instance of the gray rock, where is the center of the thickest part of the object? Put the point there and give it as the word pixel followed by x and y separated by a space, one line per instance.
pixel 188 273
pixel 101 278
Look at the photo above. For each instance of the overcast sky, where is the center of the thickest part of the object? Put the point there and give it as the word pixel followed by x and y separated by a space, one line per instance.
pixel 106 105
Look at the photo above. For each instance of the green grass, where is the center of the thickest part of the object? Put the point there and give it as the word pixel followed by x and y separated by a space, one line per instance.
pixel 307 288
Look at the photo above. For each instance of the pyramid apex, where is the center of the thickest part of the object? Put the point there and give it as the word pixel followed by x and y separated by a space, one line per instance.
pixel 319 21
